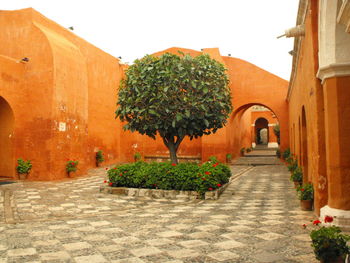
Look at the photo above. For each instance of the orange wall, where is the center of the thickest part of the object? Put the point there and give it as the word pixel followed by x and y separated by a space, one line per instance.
pixel 307 92
pixel 270 117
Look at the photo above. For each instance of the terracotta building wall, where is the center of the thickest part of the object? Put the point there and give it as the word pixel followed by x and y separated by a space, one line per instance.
pixel 306 113
pixel 70 89
pixel 272 121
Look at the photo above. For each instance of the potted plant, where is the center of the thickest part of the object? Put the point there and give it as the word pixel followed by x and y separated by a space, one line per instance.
pixel 99 158
pixel 306 196
pixel 330 245
pixel 228 158
pixel 297 177
pixel 292 164
pixel 71 166
pixel 249 150
pixel 137 157
pixel 242 151
pixel 278 153
pixel 23 168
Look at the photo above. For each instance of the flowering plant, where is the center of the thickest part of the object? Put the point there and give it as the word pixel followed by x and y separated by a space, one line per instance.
pixel 71 166
pixel 305 192
pixel 328 241
pixel 297 175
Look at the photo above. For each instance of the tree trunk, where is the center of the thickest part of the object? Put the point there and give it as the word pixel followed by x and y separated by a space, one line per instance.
pixel 172 145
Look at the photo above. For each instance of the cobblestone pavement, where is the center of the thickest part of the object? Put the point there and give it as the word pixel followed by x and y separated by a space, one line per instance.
pixel 257 219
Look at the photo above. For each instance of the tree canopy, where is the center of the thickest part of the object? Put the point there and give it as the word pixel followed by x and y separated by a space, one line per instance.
pixel 174 96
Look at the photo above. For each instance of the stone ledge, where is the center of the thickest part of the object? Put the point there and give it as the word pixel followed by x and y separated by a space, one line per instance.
pixel 159 193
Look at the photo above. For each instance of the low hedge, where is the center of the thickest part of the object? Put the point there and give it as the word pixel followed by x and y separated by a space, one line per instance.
pixel 167 176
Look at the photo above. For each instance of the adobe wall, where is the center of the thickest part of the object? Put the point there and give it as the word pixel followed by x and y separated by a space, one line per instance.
pixel 272 121
pixel 307 92
pixel 70 88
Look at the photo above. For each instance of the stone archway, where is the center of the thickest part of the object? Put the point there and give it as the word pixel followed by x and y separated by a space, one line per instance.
pixel 6 139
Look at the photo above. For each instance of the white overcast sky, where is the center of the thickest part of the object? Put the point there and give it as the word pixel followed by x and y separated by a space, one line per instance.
pixel 134 28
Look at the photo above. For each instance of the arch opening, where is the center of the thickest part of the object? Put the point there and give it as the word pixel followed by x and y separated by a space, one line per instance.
pixel 6 139
pixel 261 131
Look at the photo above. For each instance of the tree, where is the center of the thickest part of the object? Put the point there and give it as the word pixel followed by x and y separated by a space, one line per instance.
pixel 174 96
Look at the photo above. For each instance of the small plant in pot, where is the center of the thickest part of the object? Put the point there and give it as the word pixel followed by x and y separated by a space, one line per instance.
pixel 242 151
pixel 23 168
pixel 99 158
pixel 330 245
pixel 228 158
pixel 249 150
pixel 297 177
pixel 306 196
pixel 137 157
pixel 71 166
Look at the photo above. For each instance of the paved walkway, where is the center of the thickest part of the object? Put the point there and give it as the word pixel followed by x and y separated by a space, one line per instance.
pixel 257 219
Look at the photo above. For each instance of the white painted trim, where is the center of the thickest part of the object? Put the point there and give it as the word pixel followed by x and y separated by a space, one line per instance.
pixel 333 70
pixel 272 124
pixel 341 217
pixel 253 125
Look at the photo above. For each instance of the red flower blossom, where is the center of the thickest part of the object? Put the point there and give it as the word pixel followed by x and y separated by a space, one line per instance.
pixel 203 178
pixel 114 168
pixel 302 189
pixel 105 181
pixel 304 226
pixel 210 189
pixel 120 174
pixel 328 219
pixel 316 222
pixel 207 173
pixel 106 168
pixel 219 185
pixel 173 164
pixel 110 183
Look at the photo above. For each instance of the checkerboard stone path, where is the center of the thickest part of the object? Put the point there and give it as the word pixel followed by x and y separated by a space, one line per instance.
pixel 257 219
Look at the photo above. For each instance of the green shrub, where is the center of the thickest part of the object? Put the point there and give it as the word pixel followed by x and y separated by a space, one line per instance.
pixel 286 154
pixel 99 157
pixel 23 167
pixel 242 151
pixel 213 159
pixel 297 175
pixel 167 176
pixel 249 149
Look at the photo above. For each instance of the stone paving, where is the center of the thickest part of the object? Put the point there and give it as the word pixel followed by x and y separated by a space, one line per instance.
pixel 257 219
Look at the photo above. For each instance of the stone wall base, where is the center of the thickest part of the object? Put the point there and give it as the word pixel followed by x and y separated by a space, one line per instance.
pixel 341 217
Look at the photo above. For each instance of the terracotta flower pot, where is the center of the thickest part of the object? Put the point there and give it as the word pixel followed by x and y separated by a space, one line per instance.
pixel 306 205
pixel 22 176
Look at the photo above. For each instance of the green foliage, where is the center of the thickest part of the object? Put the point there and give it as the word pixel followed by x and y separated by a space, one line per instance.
pixel 248 150
pixel 167 176
pixel 174 96
pixel 228 157
pixel 286 154
pixel 71 166
pixel 213 159
pixel 99 157
pixel 276 131
pixel 23 167
pixel 305 192
pixel 137 157
pixel 293 164
pixel 297 175
pixel 329 243
pixel 278 153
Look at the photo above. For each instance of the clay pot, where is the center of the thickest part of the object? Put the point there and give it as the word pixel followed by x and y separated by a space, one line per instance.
pixel 306 205
pixel 22 176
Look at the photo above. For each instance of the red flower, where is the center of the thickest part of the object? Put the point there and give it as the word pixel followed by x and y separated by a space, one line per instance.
pixel 120 174
pixel 106 168
pixel 173 164
pixel 207 173
pixel 302 189
pixel 105 181
pixel 316 222
pixel 110 183
pixel 219 185
pixel 114 168
pixel 203 178
pixel 210 189
pixel 304 226
pixel 328 219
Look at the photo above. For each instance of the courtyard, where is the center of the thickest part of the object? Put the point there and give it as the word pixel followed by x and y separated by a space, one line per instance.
pixel 256 219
